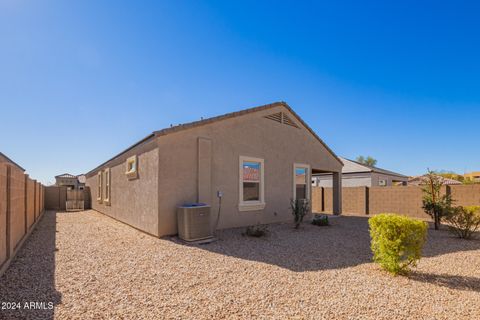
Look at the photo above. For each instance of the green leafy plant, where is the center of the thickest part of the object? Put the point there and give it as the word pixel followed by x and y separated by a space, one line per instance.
pixel 256 231
pixel 435 204
pixel 397 241
pixel 464 221
pixel 300 208
pixel 369 161
pixel 320 220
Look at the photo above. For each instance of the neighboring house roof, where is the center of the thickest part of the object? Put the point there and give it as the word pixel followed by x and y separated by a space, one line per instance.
pixel 351 166
pixel 420 180
pixel 66 175
pixel 7 159
pixel 207 121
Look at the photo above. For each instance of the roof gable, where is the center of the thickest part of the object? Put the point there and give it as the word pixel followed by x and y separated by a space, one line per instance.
pixel 226 116
pixel 285 120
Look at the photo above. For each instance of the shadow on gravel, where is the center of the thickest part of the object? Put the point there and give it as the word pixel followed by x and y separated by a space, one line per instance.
pixel 344 244
pixel 450 281
pixel 29 282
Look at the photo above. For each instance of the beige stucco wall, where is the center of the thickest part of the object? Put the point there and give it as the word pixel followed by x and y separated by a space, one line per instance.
pixel 134 202
pixel 249 135
pixel 376 177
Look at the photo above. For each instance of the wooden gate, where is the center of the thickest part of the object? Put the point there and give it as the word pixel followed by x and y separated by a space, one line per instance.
pixel 75 200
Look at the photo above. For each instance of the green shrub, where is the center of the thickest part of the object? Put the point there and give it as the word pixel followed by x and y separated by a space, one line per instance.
pixel 320 220
pixel 435 204
pixel 397 241
pixel 300 208
pixel 256 231
pixel 464 221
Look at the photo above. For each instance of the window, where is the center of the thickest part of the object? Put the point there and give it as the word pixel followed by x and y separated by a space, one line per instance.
pixel 132 167
pixel 301 177
pixel 107 186
pixel 251 195
pixel 382 183
pixel 99 186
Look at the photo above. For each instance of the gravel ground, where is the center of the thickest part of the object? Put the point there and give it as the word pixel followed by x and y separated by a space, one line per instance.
pixel 92 267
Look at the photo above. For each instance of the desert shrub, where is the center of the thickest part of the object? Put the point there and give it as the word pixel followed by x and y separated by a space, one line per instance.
pixel 320 220
pixel 300 208
pixel 435 204
pixel 397 241
pixel 464 221
pixel 256 231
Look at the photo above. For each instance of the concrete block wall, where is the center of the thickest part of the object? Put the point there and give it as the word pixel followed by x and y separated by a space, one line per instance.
pixel 354 200
pixel 466 195
pixel 55 197
pixel 406 200
pixel 17 207
pixel 30 202
pixel 21 205
pixel 3 214
pixel 317 199
pixel 401 200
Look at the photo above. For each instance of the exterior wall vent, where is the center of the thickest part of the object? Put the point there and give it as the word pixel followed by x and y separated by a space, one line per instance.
pixel 282 117
pixel 275 117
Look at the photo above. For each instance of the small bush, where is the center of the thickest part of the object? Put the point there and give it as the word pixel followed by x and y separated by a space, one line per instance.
pixel 256 231
pixel 320 220
pixel 397 241
pixel 464 221
pixel 300 208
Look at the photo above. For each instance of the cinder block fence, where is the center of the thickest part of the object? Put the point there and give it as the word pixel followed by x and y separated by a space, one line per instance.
pixel 21 207
pixel 405 200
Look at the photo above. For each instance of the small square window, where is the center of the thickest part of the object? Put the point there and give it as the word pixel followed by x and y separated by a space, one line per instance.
pixel 132 167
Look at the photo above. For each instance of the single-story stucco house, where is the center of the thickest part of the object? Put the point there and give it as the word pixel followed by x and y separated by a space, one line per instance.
pixel 356 174
pixel 257 159
pixel 70 181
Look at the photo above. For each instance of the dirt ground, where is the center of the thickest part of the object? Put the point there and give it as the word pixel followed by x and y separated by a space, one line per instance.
pixel 85 265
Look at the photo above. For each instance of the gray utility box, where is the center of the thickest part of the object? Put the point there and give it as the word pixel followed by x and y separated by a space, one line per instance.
pixel 194 222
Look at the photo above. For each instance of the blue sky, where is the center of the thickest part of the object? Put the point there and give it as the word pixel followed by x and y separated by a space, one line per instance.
pixel 81 81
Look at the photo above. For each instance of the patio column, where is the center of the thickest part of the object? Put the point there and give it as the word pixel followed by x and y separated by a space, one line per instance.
pixel 337 193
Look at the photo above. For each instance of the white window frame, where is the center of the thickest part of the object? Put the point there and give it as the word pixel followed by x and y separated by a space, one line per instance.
pixel 108 190
pixel 308 179
pixel 251 205
pixel 99 186
pixel 132 174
